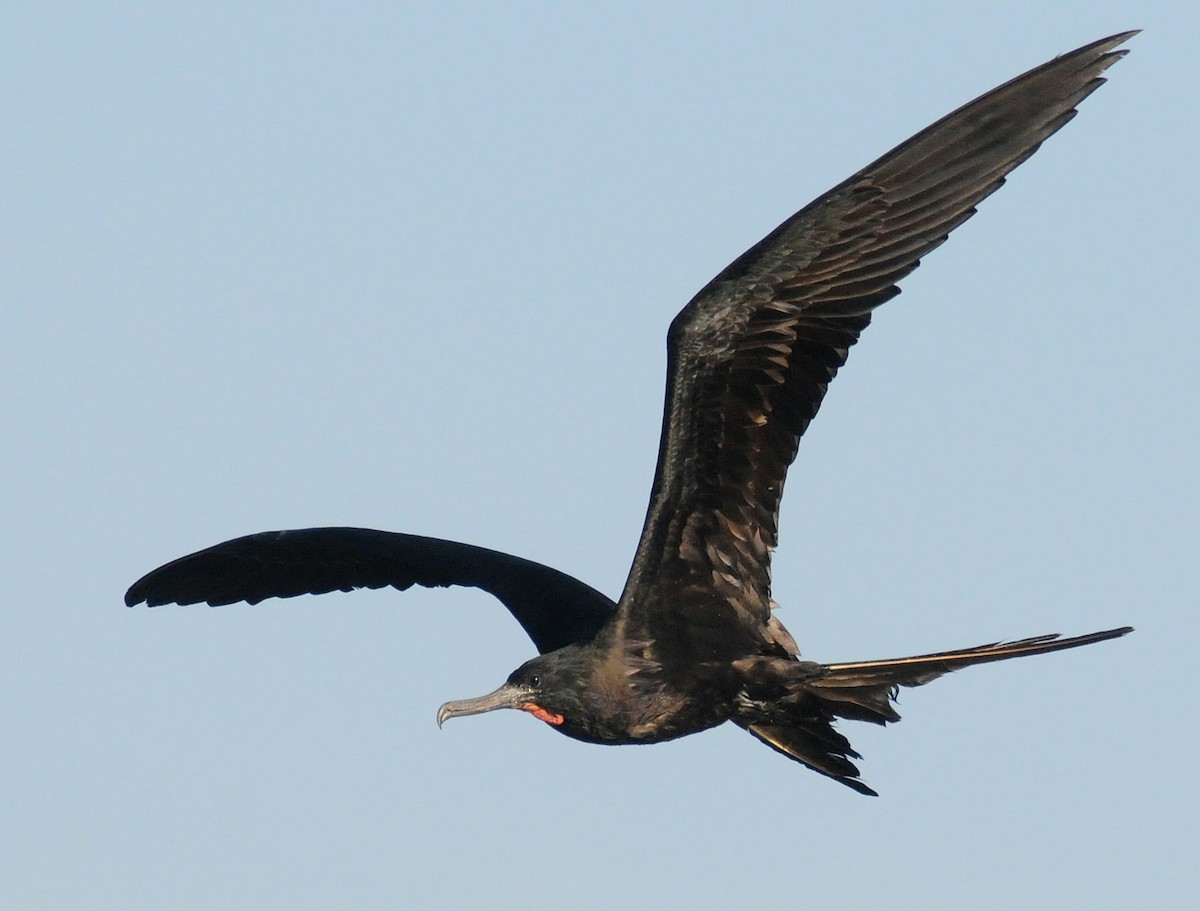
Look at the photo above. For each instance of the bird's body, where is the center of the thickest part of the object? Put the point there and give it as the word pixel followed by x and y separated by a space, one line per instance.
pixel 693 641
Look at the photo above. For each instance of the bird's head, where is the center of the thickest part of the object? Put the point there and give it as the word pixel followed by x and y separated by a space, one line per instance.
pixel 547 687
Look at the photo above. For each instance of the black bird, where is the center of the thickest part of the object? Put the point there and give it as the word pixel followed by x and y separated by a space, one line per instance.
pixel 693 642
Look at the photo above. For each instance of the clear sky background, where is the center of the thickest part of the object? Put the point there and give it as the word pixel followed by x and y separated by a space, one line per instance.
pixel 282 265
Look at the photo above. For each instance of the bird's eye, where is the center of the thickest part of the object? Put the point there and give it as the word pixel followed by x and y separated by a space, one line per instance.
pixel 535 680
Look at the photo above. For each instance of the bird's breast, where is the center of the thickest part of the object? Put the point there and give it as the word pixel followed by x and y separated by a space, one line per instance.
pixel 632 701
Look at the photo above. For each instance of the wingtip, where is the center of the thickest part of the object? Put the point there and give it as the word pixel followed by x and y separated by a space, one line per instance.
pixel 1113 41
pixel 1105 635
pixel 1103 53
pixel 139 593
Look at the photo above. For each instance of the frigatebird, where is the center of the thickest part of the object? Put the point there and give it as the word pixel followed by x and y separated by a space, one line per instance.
pixel 693 641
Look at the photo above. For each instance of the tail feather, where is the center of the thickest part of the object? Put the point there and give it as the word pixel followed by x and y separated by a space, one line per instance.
pixel 818 745
pixel 920 669
pixel 865 690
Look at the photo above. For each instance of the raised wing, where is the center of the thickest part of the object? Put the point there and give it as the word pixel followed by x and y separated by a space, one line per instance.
pixel 750 357
pixel 553 608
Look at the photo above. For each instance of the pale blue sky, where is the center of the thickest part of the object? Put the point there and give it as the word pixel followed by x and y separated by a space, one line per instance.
pixel 273 266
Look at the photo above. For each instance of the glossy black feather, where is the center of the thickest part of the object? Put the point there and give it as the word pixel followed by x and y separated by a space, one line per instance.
pixel 553 608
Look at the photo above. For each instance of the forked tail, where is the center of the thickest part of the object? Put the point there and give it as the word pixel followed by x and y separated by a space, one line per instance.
pixel 865 691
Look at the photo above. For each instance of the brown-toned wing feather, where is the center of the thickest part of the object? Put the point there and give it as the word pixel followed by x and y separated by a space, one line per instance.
pixel 751 356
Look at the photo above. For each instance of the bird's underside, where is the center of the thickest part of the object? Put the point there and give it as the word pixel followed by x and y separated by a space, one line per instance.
pixel 692 641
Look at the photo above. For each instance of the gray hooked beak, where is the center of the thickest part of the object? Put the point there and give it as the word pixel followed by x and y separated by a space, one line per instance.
pixel 508 696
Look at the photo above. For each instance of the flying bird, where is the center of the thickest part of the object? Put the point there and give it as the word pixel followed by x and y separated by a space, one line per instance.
pixel 693 641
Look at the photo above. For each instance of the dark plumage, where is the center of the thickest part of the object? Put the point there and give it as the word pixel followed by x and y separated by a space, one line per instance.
pixel 692 642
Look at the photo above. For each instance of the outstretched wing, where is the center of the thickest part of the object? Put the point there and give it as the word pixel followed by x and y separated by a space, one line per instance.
pixel 553 608
pixel 750 357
